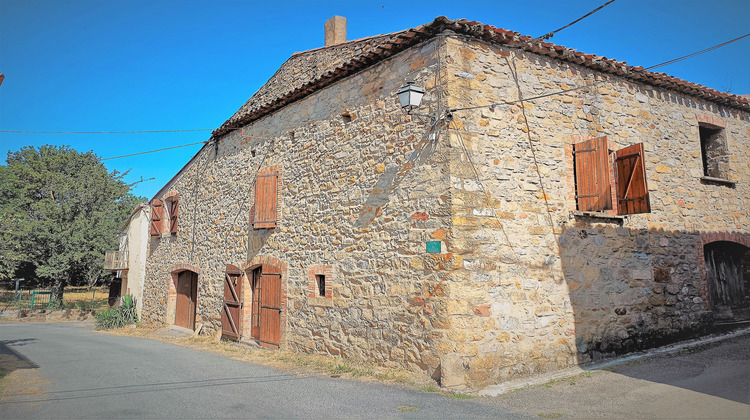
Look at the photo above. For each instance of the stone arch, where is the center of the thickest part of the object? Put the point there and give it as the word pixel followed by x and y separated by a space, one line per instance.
pixel 172 282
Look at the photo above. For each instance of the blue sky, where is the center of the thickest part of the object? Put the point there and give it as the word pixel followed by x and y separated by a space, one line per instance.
pixel 89 65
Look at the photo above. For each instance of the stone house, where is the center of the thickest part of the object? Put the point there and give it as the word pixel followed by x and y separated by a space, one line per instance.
pixel 606 212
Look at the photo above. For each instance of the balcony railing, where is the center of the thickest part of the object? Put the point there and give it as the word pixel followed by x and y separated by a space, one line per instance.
pixel 116 260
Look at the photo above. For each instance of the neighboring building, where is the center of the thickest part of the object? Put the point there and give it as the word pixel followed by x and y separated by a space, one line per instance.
pixel 129 261
pixel 505 240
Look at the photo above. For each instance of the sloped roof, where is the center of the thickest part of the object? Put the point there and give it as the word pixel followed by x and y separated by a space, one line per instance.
pixel 308 71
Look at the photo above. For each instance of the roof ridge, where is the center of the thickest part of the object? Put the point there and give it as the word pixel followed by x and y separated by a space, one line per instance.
pixel 400 40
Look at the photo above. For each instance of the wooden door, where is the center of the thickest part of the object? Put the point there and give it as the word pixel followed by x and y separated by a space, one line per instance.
pixel 255 312
pixel 270 306
pixel 725 277
pixel 266 311
pixel 187 292
pixel 231 313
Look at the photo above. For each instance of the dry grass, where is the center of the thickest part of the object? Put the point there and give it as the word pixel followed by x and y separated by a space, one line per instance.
pixel 83 297
pixel 74 297
pixel 289 361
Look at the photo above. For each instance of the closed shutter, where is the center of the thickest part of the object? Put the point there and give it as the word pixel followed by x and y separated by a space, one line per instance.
pixel 265 201
pixel 632 190
pixel 173 209
pixel 157 214
pixel 591 164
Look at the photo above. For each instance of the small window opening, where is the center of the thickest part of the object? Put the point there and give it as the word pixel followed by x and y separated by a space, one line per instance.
pixel 346 116
pixel 713 151
pixel 291 135
pixel 252 153
pixel 321 281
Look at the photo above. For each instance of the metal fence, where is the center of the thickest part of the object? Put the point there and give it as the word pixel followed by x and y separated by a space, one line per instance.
pixel 26 299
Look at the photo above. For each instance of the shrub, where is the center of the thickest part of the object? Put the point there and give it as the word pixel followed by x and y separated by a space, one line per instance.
pixel 119 316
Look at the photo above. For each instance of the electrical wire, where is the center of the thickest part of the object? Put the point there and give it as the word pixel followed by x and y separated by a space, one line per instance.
pixel 551 34
pixel 514 72
pixel 157 150
pixel 685 57
pixel 487 196
pixel 106 132
pixel 560 92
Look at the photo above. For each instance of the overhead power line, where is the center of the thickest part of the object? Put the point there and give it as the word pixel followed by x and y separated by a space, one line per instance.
pixel 104 132
pixel 157 150
pixel 685 57
pixel 551 34
pixel 560 92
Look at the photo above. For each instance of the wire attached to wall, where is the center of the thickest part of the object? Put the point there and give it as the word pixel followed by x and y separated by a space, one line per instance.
pixel 514 72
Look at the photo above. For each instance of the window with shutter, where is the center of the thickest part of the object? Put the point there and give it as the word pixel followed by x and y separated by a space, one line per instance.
pixel 591 166
pixel 157 214
pixel 632 190
pixel 264 214
pixel 172 207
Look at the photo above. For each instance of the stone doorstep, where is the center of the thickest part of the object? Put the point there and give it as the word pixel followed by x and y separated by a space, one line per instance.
pixel 499 389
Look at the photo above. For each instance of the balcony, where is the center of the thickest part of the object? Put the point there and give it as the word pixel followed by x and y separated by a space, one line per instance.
pixel 116 260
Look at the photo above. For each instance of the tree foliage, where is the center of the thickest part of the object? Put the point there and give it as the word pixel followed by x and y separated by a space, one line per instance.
pixel 60 210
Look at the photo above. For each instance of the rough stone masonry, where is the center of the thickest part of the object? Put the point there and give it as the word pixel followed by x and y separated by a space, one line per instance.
pixel 523 283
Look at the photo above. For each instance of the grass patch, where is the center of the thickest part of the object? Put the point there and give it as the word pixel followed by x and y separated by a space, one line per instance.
pixel 550 415
pixel 430 389
pixel 406 408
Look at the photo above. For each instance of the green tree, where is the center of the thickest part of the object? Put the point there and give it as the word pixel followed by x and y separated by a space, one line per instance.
pixel 60 210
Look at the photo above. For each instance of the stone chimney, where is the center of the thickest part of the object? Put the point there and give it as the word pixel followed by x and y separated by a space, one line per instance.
pixel 335 29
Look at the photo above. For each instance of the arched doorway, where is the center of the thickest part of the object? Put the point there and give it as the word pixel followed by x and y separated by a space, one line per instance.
pixel 186 287
pixel 728 280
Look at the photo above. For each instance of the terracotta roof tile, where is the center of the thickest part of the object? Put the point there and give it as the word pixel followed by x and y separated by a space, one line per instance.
pixel 308 71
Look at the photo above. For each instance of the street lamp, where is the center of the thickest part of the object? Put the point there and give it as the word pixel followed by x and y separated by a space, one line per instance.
pixel 410 96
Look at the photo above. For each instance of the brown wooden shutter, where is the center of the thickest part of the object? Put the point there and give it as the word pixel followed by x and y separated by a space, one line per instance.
pixel 591 163
pixel 632 190
pixel 173 207
pixel 157 214
pixel 231 314
pixel 265 201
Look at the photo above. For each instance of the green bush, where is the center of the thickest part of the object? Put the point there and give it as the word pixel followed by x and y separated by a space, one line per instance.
pixel 119 316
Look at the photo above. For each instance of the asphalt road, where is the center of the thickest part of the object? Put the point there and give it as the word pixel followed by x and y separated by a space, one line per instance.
pixel 68 371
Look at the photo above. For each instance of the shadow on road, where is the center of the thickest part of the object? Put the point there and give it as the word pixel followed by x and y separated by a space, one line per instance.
pixel 720 370
pixel 10 360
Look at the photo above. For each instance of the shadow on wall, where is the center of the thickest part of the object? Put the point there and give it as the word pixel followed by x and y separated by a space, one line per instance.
pixel 381 193
pixel 632 289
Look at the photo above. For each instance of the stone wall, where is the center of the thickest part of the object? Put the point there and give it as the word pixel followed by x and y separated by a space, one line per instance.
pixel 362 189
pixel 542 287
pixel 522 283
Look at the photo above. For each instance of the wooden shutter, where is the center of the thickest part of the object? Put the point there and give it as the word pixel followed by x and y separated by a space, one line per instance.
pixel 591 163
pixel 157 214
pixel 265 201
pixel 173 207
pixel 632 190
pixel 231 314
